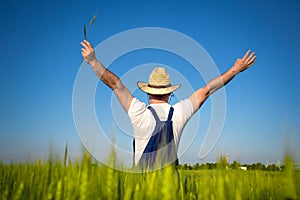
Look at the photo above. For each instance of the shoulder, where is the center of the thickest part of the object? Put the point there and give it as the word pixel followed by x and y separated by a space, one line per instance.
pixel 183 104
pixel 183 109
pixel 136 106
pixel 139 114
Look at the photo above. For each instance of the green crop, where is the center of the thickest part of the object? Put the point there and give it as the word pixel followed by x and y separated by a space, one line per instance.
pixel 86 179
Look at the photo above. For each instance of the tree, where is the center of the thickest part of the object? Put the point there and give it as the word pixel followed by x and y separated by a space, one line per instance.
pixel 272 167
pixel 235 165
pixel 187 166
pixel 258 166
pixel 197 166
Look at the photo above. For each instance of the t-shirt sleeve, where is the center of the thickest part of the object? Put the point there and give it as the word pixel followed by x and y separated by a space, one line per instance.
pixel 186 108
pixel 136 112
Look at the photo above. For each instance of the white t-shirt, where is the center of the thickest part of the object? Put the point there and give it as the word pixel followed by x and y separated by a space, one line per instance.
pixel 144 123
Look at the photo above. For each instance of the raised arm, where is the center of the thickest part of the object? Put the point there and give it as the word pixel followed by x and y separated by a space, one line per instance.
pixel 106 76
pixel 241 64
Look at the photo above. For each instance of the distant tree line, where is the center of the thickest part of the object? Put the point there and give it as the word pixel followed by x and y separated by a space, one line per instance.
pixel 222 164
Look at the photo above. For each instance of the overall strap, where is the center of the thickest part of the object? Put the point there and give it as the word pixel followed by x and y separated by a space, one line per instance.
pixel 156 116
pixel 170 114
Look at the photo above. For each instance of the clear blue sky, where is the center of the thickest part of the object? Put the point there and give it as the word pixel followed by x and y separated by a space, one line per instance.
pixel 40 57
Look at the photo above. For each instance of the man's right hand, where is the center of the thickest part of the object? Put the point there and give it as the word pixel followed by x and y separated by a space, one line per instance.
pixel 244 63
pixel 88 53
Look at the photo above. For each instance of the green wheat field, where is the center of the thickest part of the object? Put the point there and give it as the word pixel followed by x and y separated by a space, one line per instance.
pixel 87 179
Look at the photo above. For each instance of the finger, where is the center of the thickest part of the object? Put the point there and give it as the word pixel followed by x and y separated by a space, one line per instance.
pixel 88 43
pixel 84 45
pixel 83 50
pixel 250 57
pixel 246 54
pixel 251 63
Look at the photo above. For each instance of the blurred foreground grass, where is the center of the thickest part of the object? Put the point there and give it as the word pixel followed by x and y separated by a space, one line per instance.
pixel 85 179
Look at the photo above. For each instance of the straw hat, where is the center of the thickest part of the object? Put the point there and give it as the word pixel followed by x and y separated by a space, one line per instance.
pixel 159 83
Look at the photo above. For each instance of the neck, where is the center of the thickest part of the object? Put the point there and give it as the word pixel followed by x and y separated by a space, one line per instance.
pixel 156 101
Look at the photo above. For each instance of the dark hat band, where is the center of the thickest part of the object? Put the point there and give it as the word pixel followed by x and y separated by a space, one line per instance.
pixel 159 86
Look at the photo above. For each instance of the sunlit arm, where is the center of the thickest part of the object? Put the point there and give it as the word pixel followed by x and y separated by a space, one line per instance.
pixel 241 64
pixel 106 76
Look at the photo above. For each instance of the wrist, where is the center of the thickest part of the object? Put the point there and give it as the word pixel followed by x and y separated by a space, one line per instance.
pixel 97 66
pixel 93 63
pixel 234 71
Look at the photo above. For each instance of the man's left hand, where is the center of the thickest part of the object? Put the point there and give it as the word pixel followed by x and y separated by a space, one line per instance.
pixel 88 52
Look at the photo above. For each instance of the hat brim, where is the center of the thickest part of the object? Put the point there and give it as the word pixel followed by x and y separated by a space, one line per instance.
pixel 156 91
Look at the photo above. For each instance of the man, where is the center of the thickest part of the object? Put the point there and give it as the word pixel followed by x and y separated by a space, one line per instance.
pixel 148 123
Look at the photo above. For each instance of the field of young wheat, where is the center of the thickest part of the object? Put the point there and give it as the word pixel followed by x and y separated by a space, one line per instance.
pixel 85 179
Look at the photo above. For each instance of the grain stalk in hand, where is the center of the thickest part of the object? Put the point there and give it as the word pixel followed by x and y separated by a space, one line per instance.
pixel 91 24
